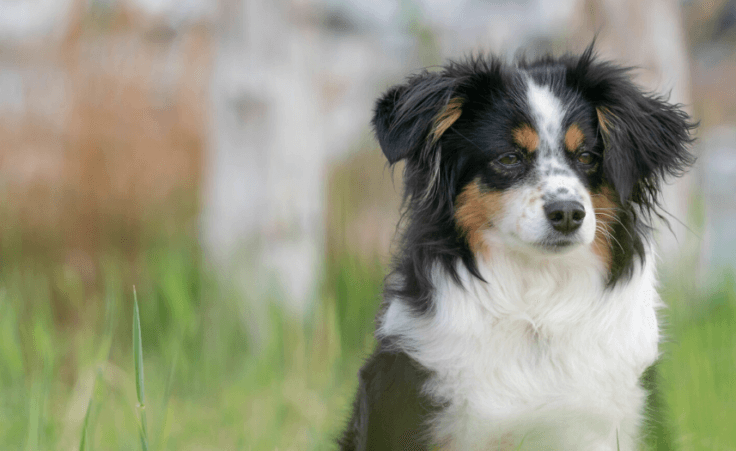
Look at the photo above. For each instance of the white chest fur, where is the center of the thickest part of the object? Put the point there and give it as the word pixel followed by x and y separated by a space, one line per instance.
pixel 541 353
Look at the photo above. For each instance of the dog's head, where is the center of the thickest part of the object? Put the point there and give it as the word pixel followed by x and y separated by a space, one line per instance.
pixel 542 157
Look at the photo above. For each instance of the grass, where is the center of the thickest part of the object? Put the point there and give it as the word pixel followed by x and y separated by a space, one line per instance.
pixel 139 379
pixel 699 368
pixel 69 377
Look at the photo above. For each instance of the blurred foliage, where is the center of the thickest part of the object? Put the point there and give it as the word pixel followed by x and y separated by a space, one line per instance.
pixel 66 359
pixel 66 366
pixel 206 386
pixel 699 362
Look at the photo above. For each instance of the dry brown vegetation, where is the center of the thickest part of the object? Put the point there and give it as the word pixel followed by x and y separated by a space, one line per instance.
pixel 105 157
pixel 122 149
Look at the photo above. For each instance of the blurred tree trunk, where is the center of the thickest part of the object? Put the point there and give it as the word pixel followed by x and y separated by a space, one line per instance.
pixel 262 220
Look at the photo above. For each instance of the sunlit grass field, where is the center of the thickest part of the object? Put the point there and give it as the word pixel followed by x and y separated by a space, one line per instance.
pixel 67 369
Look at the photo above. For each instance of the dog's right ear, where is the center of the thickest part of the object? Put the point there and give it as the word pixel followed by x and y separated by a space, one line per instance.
pixel 411 117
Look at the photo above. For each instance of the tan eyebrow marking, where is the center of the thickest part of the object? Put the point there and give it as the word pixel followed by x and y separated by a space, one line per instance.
pixel 574 138
pixel 447 117
pixel 526 137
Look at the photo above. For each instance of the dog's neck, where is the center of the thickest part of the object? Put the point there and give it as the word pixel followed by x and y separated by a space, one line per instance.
pixel 516 280
pixel 526 346
pixel 549 294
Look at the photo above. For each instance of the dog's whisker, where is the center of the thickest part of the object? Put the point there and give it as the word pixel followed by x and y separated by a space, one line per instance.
pixel 617 219
pixel 607 234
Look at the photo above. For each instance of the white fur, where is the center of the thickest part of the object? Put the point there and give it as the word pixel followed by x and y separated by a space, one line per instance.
pixel 547 111
pixel 523 223
pixel 541 352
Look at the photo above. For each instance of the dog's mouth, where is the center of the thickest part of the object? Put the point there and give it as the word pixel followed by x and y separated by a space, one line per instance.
pixel 548 245
pixel 557 245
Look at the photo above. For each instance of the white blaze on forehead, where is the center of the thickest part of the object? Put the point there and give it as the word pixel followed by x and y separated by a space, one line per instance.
pixel 547 111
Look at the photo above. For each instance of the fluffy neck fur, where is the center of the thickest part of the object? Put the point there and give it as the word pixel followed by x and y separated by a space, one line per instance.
pixel 540 344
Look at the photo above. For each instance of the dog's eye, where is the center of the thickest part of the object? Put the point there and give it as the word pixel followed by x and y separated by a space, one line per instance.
pixel 510 159
pixel 586 158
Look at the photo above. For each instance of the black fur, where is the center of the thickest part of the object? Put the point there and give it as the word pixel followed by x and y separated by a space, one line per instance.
pixel 642 140
pixel 389 411
pixel 649 137
pixel 648 140
pixel 657 434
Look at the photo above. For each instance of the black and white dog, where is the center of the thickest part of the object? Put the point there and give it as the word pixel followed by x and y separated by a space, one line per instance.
pixel 521 311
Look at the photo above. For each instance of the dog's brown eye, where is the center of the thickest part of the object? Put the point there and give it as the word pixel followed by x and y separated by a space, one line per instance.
pixel 510 159
pixel 586 158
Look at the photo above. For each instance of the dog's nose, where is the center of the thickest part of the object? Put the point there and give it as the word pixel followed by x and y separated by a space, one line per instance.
pixel 566 216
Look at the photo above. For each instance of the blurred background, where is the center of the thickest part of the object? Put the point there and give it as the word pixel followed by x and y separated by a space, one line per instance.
pixel 218 156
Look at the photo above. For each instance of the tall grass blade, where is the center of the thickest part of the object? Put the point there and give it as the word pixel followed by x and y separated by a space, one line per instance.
pixel 165 402
pixel 35 414
pixel 103 355
pixel 85 425
pixel 521 443
pixel 138 357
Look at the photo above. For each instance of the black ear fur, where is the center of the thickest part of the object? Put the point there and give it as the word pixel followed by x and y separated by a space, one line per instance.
pixel 646 140
pixel 404 116
pixel 645 137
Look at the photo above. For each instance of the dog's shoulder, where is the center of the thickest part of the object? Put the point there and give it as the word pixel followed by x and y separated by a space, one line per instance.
pixel 390 410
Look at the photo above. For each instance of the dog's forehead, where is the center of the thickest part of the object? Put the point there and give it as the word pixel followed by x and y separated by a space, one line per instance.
pixel 547 112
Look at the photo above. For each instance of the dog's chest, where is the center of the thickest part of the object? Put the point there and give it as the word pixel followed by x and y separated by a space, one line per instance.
pixel 550 363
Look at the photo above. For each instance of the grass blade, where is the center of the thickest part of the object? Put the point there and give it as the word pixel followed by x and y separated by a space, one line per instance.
pixel 138 357
pixel 165 401
pixel 83 442
pixel 85 425
pixel 103 355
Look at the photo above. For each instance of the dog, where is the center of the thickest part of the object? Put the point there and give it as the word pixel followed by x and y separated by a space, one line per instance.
pixel 521 309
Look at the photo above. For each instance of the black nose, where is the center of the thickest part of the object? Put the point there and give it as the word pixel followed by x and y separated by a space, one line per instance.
pixel 566 216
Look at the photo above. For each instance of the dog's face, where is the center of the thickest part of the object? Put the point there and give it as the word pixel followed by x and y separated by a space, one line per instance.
pixel 543 158
pixel 537 171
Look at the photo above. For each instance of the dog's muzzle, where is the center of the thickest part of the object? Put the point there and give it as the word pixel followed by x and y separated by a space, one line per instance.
pixel 565 216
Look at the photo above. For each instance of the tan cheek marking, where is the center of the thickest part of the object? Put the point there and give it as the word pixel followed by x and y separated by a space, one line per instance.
pixel 573 138
pixel 526 137
pixel 605 207
pixel 474 210
pixel 446 118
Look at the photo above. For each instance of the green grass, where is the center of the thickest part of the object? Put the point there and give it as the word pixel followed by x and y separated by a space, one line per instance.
pixel 69 377
pixel 140 390
pixel 699 364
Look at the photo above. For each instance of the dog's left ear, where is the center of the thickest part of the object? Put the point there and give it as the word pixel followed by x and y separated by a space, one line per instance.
pixel 410 116
pixel 645 137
